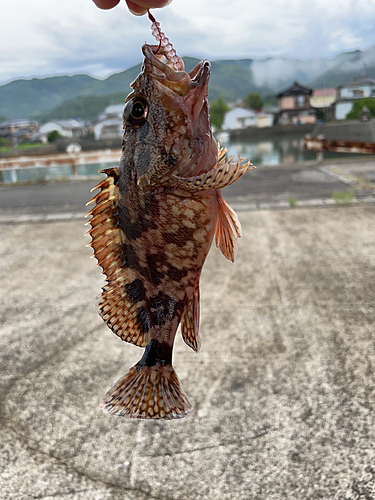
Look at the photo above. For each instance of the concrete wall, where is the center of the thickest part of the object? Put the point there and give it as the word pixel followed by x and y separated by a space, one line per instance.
pixel 342 109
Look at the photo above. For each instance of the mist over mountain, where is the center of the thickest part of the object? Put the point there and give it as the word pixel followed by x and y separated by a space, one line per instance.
pixel 60 96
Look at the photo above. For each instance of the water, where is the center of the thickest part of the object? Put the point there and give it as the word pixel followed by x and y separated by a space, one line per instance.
pixel 271 150
pixel 52 173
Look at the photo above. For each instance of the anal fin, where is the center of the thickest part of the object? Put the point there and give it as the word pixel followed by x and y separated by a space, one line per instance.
pixel 190 321
pixel 148 392
pixel 228 230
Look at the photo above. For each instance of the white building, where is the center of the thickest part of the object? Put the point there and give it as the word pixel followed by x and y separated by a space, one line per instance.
pixel 239 118
pixel 66 128
pixel 265 120
pixel 359 88
pixel 109 124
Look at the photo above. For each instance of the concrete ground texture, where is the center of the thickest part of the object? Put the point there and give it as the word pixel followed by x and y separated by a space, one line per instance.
pixel 283 386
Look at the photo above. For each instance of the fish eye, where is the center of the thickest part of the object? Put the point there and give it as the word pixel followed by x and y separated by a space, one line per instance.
pixel 135 111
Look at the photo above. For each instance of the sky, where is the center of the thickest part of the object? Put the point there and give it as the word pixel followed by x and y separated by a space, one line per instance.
pixel 40 38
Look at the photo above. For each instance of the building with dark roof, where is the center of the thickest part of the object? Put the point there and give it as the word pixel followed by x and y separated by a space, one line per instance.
pixel 295 107
pixel 19 129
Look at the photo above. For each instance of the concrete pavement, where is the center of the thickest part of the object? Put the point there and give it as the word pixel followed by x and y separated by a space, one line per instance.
pixel 283 386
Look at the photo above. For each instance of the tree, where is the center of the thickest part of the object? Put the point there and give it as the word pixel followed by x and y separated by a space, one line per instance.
pixel 52 136
pixel 253 101
pixel 218 109
pixel 354 114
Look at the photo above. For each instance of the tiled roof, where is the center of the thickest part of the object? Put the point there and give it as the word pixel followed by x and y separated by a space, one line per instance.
pixel 360 80
pixel 324 93
pixel 295 89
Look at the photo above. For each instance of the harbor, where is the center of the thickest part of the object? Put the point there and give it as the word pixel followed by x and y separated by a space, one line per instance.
pixel 275 146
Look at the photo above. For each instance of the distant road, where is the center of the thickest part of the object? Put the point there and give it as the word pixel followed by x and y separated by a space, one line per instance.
pixel 47 198
pixel 261 185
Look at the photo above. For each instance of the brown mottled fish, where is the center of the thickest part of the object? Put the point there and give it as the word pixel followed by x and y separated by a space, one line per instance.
pixel 152 226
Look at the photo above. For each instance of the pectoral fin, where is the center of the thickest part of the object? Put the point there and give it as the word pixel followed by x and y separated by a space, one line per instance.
pixel 223 174
pixel 228 230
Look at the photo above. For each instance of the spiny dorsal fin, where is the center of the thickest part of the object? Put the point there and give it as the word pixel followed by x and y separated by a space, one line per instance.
pixel 228 229
pixel 148 392
pixel 223 174
pixel 190 321
pixel 114 306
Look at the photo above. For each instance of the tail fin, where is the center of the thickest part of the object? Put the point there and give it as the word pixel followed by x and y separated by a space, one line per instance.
pixel 152 392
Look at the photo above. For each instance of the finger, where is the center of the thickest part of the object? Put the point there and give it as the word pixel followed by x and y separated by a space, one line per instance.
pixel 139 7
pixel 135 8
pixel 106 4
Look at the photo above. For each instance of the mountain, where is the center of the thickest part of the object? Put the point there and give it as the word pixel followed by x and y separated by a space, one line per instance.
pixel 29 98
pixel 60 96
pixel 26 98
pixel 354 64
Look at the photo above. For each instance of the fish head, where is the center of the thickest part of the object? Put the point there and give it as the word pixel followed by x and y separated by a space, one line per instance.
pixel 167 128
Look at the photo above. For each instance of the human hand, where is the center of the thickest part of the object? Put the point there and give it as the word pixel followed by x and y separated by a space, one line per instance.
pixel 137 7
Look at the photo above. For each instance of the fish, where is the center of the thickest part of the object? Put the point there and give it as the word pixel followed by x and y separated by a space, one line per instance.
pixel 152 225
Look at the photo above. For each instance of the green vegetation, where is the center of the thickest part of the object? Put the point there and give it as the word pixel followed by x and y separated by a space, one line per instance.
pixel 343 197
pixel 85 97
pixel 253 101
pixel 292 202
pixel 84 107
pixel 355 113
pixel 26 98
pixel 270 100
pixel 231 80
pixel 36 97
pixel 5 143
pixel 52 136
pixel 218 109
pixel 24 145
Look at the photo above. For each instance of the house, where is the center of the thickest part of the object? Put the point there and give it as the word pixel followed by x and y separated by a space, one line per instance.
pixel 109 124
pixel 110 129
pixel 358 88
pixel 295 107
pixel 18 130
pixel 66 128
pixel 239 118
pixel 322 100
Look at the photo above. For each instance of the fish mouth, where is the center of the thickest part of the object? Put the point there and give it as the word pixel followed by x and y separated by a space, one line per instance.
pixel 159 66
pixel 187 91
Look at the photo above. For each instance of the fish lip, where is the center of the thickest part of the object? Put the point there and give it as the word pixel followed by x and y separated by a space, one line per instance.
pixel 152 62
pixel 156 68
pixel 201 73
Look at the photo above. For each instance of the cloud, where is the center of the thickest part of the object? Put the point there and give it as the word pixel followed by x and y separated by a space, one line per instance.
pixel 43 38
